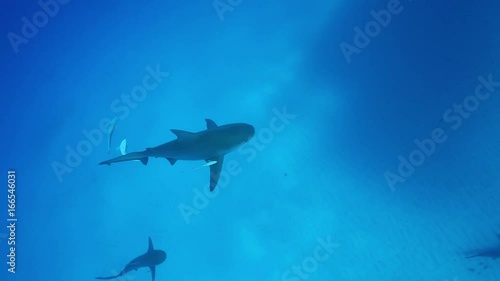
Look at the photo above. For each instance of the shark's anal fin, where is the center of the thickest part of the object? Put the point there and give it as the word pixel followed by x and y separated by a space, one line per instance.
pixel 172 161
pixel 150 245
pixel 215 171
pixel 181 134
pixel 144 160
pixel 210 124
pixel 153 272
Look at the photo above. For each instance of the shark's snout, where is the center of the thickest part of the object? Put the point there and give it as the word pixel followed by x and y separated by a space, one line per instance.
pixel 250 131
pixel 161 256
pixel 238 134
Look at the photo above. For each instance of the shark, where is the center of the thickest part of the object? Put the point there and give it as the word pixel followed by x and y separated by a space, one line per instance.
pixel 493 252
pixel 112 127
pixel 209 145
pixel 150 259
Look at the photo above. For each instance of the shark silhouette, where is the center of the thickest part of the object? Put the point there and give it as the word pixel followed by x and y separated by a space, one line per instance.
pixel 493 252
pixel 210 145
pixel 150 259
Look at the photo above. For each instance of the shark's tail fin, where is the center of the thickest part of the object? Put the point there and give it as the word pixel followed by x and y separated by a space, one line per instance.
pixel 472 256
pixel 111 277
pixel 128 157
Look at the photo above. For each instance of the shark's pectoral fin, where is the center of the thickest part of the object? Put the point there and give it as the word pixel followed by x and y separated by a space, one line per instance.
pixel 182 134
pixel 172 161
pixel 210 124
pixel 153 272
pixel 215 171
pixel 150 245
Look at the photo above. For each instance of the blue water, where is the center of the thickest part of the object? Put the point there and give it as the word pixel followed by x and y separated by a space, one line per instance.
pixel 332 128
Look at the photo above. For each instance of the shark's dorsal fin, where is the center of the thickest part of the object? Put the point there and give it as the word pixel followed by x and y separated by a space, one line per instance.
pixel 150 245
pixel 181 134
pixel 210 124
pixel 153 272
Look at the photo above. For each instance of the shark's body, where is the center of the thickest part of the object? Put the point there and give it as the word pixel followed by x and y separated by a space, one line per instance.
pixel 209 145
pixel 492 253
pixel 150 259
pixel 488 253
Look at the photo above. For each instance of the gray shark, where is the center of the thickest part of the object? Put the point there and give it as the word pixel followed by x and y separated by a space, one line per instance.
pixel 210 145
pixel 493 252
pixel 150 259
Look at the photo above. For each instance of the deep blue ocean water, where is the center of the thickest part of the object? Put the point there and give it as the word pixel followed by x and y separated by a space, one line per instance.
pixel 376 153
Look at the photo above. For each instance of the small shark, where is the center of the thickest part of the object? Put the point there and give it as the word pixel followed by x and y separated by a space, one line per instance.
pixel 210 145
pixel 493 253
pixel 123 147
pixel 112 127
pixel 150 259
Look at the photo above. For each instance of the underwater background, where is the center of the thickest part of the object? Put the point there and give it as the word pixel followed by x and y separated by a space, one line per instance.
pixel 337 115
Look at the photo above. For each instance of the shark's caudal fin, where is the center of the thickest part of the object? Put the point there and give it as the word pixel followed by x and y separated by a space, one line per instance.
pixel 112 126
pixel 123 147
pixel 144 161
pixel 127 157
pixel 472 256
pixel 109 277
